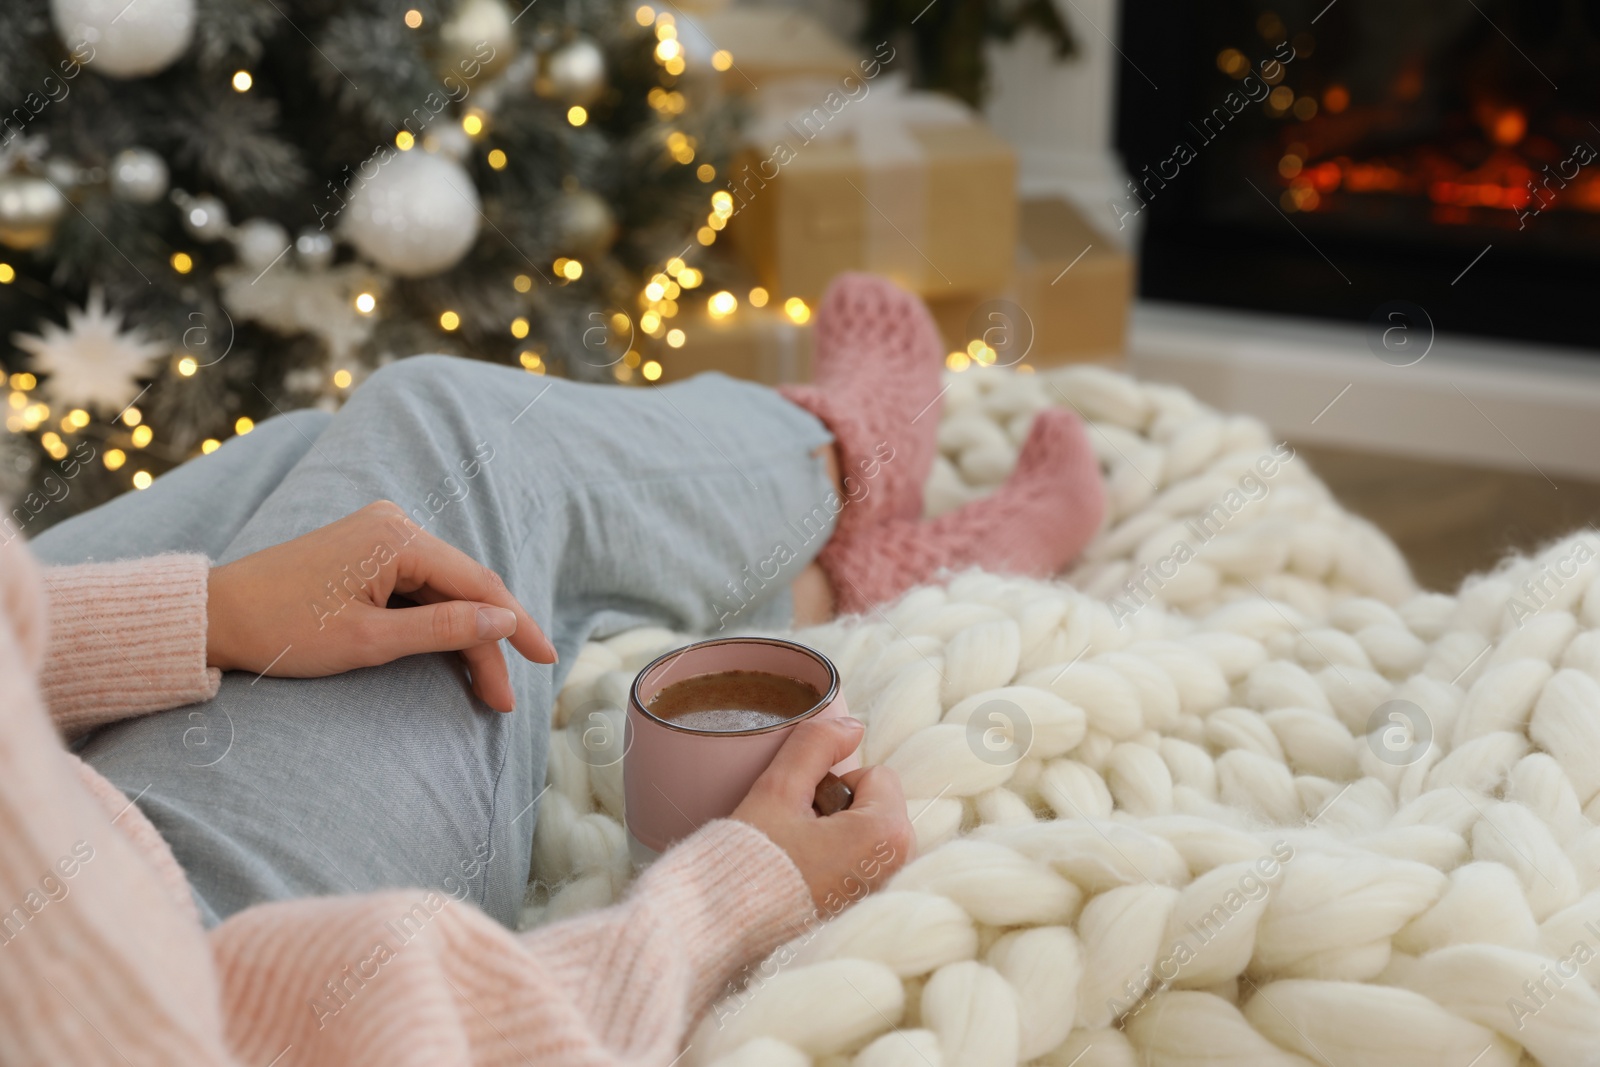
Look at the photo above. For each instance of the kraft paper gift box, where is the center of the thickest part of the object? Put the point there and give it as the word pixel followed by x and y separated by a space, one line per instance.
pixel 757 344
pixel 1068 300
pixel 896 182
pixel 768 45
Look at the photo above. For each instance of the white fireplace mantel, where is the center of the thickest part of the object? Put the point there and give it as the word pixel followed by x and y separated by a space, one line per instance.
pixel 1497 403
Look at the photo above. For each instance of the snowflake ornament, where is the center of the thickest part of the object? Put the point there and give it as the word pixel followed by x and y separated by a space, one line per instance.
pixel 92 363
pixel 26 151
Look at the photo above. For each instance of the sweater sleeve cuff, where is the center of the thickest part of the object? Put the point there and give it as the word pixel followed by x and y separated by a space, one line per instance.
pixel 126 638
pixel 733 896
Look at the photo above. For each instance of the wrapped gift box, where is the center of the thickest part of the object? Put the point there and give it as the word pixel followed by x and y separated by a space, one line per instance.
pixel 768 45
pixel 907 184
pixel 1067 301
pixel 757 344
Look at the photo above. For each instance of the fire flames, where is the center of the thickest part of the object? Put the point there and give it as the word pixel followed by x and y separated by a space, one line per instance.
pixel 1504 169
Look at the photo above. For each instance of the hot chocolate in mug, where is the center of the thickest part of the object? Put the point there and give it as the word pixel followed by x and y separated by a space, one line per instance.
pixel 675 778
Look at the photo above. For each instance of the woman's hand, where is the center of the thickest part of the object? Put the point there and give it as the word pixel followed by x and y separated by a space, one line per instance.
pixel 317 605
pixel 842 857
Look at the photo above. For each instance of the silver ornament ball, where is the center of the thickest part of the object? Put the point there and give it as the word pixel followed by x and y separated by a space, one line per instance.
pixel 417 215
pixel 125 40
pixel 30 207
pixel 584 223
pixel 206 218
pixel 314 249
pixel 138 175
pixel 259 243
pixel 576 72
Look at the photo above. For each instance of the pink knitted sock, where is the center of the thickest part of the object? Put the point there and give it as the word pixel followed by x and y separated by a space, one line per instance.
pixel 875 365
pixel 1034 524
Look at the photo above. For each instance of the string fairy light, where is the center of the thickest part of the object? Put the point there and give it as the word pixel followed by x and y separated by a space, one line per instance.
pixel 722 304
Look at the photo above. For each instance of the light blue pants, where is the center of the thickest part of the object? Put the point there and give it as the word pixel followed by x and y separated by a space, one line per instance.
pixel 603 508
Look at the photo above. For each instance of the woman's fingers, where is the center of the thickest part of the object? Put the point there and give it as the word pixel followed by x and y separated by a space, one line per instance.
pixel 474 630
pixel 875 785
pixel 880 805
pixel 490 678
pixel 427 562
pixel 812 748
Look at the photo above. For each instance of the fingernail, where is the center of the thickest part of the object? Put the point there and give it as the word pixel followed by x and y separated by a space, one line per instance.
pixel 495 623
pixel 850 722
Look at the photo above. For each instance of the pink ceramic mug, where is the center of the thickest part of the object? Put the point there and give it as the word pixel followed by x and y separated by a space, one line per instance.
pixel 675 780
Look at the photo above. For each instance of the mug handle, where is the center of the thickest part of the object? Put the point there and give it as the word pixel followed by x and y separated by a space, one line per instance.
pixel 832 795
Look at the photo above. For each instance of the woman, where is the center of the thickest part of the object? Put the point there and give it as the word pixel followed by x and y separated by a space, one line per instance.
pixel 314 857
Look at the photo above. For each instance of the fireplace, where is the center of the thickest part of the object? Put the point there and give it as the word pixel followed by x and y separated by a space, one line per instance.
pixel 1338 159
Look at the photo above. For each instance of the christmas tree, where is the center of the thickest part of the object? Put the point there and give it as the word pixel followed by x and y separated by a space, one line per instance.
pixel 214 210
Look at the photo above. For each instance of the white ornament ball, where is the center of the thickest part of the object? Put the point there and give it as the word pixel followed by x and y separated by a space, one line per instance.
pixel 416 216
pixel 138 175
pixel 206 218
pixel 478 41
pixel 449 140
pixel 314 248
pixel 576 72
pixel 125 40
pixel 259 243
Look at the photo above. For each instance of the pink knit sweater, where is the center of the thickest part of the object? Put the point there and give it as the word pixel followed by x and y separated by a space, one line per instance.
pixel 103 960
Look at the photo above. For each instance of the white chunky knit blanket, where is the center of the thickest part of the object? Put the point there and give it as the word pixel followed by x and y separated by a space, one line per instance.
pixel 1235 792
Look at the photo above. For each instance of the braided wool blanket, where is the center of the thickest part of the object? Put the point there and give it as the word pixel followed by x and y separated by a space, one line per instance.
pixel 1235 792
